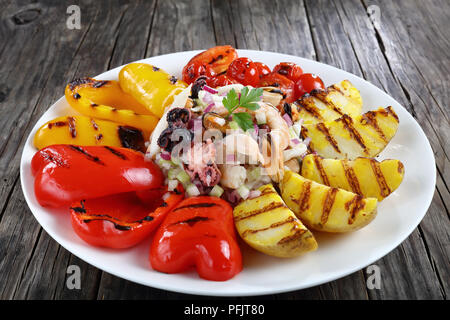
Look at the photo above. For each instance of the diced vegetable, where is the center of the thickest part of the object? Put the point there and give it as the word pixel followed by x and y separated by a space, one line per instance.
pixel 192 190
pixel 183 177
pixel 254 174
pixel 216 191
pixel 165 164
pixel 172 185
pixel 243 191
pixel 172 174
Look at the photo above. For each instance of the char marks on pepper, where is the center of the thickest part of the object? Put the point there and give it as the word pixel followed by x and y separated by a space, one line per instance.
pixel 72 127
pixel 197 205
pixel 87 155
pixel 116 153
pixel 131 138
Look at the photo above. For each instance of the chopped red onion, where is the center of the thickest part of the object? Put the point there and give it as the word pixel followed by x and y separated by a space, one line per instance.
pixel 209 107
pixel 233 197
pixel 288 119
pixel 166 155
pixel 210 90
pixel 254 194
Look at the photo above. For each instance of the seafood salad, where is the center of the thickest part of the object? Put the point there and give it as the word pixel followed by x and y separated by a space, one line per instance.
pixel 200 144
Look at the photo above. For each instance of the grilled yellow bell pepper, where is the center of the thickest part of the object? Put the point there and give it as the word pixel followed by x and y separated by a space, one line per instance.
pixel 105 100
pixel 151 86
pixel 86 131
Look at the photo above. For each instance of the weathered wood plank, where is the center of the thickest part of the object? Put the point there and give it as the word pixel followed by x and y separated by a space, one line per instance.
pixel 16 243
pixel 247 25
pixel 71 52
pixel 419 60
pixel 180 26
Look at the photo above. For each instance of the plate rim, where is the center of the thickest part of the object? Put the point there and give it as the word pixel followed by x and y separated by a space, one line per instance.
pixel 259 290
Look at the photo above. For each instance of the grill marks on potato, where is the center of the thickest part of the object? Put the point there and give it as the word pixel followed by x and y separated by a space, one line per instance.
pixel 272 226
pixel 322 128
pixel 323 174
pixel 354 206
pixel 309 108
pixel 352 179
pixel 370 133
pixel 384 188
pixel 303 199
pixel 270 207
pixel 370 118
pixel 328 204
pixel 268 225
pixel 329 209
pixel 354 134
pixel 351 176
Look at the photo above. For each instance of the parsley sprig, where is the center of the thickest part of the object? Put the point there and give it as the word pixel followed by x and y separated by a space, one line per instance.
pixel 248 100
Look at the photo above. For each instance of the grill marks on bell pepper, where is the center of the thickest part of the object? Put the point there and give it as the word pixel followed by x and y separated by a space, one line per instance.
pixel 57 124
pixel 118 224
pixel 81 81
pixel 72 126
pixel 80 209
pixel 116 153
pixel 55 158
pixel 197 205
pixel 131 138
pixel 192 221
pixel 198 232
pixel 88 155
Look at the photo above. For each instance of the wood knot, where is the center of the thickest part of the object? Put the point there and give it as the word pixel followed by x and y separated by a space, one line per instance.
pixel 4 91
pixel 26 16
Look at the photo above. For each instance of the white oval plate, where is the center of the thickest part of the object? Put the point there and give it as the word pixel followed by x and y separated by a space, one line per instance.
pixel 337 255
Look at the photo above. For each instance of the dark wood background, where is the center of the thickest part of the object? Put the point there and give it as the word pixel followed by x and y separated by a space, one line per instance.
pixel 405 52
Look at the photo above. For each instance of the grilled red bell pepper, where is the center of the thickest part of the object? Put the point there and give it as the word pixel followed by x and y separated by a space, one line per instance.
pixel 67 173
pixel 122 220
pixel 198 232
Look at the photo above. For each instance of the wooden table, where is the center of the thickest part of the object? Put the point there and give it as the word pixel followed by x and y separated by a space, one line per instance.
pixel 400 46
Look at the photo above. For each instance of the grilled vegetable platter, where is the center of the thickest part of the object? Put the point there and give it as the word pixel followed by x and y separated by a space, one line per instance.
pixel 225 157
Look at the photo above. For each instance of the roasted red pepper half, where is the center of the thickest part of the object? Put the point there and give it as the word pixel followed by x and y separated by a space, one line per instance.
pixel 122 220
pixel 199 232
pixel 67 173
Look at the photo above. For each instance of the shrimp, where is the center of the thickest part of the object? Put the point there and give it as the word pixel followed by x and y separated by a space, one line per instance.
pixel 292 165
pixel 239 144
pixel 277 141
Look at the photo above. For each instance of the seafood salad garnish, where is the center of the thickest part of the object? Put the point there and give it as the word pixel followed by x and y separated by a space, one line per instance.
pixel 226 142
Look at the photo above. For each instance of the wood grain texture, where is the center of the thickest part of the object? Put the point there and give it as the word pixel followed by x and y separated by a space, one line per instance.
pixel 406 54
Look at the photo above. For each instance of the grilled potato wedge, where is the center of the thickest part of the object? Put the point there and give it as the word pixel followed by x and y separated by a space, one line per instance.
pixel 267 225
pixel 364 176
pixel 330 104
pixel 324 208
pixel 363 136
